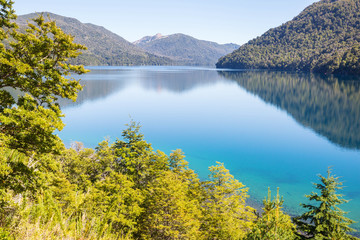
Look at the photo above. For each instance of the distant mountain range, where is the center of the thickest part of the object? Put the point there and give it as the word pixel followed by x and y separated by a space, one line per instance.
pixel 104 46
pixel 184 49
pixel 107 48
pixel 325 38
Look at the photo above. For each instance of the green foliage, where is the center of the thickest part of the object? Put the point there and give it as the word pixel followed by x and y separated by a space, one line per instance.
pixel 80 166
pixel 169 213
pixel 35 63
pixel 325 220
pixel 323 38
pixel 118 201
pixel 123 190
pixel 273 224
pixel 4 235
pixel 44 218
pixel 225 214
pixel 136 158
pixel 29 127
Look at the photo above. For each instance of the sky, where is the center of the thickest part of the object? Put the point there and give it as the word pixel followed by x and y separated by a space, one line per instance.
pixel 222 21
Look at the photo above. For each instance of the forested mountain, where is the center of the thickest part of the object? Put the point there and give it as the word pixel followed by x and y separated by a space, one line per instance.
pixel 325 38
pixel 185 50
pixel 104 47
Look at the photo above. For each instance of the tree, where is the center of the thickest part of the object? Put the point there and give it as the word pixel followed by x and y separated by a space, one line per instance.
pixel 325 220
pixel 136 158
pixel 169 212
pixel 225 214
pixel 117 201
pixel 34 62
pixel 273 224
pixel 180 166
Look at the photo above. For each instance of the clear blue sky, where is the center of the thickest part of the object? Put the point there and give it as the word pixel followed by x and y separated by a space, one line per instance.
pixel 222 21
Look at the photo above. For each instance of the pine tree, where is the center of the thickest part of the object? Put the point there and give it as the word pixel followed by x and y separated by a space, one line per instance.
pixel 325 220
pixel 273 224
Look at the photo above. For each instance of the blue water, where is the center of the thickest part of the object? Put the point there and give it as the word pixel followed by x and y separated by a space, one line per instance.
pixel 251 121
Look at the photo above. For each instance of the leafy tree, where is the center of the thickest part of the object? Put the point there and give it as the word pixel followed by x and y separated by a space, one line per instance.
pixel 180 166
pixel 36 63
pixel 116 199
pixel 169 212
pixel 273 224
pixel 325 220
pixel 33 62
pixel 225 214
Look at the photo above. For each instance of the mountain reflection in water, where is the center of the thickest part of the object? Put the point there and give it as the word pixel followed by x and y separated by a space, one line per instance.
pixel 328 105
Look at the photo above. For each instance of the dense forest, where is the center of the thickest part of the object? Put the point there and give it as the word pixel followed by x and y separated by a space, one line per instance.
pixel 325 38
pixel 120 190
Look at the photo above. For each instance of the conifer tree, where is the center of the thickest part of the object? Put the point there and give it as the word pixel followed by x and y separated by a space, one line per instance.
pixel 136 158
pixel 273 224
pixel 324 219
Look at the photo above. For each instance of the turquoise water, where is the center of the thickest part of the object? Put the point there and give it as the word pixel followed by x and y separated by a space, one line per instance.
pixel 271 129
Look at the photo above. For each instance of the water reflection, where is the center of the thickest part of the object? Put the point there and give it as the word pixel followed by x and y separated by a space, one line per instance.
pixel 98 84
pixel 103 82
pixel 178 81
pixel 328 105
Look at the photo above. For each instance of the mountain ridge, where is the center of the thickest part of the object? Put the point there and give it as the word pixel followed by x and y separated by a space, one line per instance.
pixel 185 49
pixel 324 38
pixel 108 48
pixel 104 46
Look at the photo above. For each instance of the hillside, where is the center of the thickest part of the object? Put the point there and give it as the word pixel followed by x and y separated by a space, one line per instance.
pixel 104 47
pixel 185 50
pixel 325 38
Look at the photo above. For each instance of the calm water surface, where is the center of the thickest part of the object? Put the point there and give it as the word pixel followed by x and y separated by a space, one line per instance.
pixel 271 129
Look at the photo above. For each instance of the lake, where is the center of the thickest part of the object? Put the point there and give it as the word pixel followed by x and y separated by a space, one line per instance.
pixel 270 129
